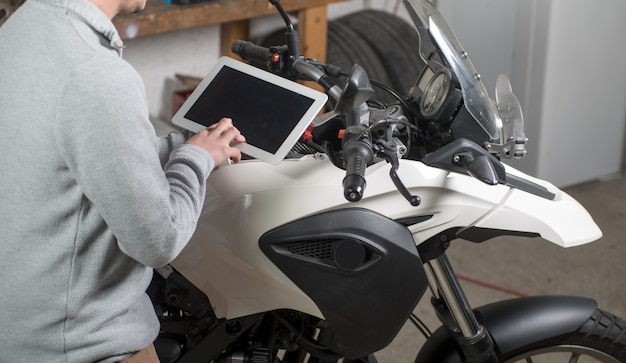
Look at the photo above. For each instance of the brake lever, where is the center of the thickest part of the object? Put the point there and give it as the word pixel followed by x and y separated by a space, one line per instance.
pixel 414 200
pixel 387 149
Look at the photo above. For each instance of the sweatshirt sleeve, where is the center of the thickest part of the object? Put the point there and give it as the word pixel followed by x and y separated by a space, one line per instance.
pixel 151 203
pixel 168 143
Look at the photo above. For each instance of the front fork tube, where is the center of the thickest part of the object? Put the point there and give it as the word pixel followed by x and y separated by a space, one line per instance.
pixel 456 314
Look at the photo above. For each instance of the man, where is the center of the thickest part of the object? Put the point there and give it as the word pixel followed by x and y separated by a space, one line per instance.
pixel 90 199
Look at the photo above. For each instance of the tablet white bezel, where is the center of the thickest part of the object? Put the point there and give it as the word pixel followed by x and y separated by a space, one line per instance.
pixel 319 99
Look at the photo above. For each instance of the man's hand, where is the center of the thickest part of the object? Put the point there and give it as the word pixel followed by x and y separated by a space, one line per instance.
pixel 219 139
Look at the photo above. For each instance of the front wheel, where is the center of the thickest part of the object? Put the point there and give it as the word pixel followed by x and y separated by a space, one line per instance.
pixel 601 339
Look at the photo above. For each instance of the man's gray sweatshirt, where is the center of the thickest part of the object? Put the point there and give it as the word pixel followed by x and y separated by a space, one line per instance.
pixel 90 198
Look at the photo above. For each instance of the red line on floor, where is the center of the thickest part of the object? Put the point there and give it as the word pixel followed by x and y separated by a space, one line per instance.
pixel 491 286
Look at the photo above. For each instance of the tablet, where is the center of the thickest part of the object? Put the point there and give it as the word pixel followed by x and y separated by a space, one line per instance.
pixel 270 111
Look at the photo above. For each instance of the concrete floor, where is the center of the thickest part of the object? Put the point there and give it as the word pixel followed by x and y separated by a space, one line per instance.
pixel 505 267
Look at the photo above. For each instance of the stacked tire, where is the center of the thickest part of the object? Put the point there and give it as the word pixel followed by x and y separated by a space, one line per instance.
pixel 384 44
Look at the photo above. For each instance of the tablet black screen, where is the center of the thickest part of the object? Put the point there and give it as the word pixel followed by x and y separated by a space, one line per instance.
pixel 264 112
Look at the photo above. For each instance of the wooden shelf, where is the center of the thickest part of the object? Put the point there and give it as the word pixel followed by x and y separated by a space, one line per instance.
pixel 233 15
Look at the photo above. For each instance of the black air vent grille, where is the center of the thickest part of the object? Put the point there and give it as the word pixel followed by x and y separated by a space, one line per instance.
pixel 321 249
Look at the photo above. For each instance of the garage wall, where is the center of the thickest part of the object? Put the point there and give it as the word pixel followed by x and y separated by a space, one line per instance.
pixel 582 111
pixel 568 68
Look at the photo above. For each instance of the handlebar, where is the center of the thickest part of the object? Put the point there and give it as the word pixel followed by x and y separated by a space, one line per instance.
pixel 276 60
pixel 251 52
pixel 357 152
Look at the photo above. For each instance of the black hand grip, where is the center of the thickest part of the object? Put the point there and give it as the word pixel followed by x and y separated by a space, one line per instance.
pixel 357 155
pixel 251 52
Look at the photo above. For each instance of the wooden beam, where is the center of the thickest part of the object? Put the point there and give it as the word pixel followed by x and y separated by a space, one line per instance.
pixel 313 28
pixel 234 30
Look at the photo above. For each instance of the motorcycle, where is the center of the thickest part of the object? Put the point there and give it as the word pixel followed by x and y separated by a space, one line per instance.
pixel 323 257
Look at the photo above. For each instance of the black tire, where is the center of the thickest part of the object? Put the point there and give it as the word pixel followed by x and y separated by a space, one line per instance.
pixel 344 48
pixel 394 40
pixel 347 47
pixel 602 337
pixel 276 37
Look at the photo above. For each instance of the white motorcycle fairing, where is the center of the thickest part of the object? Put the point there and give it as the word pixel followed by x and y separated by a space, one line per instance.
pixel 248 199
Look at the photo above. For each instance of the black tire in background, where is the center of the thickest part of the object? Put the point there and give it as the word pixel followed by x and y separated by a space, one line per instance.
pixel 395 42
pixel 347 47
pixel 344 48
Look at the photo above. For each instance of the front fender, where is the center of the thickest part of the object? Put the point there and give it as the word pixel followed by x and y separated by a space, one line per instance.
pixel 515 323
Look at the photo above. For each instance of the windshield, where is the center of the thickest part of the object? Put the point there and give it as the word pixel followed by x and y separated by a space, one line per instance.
pixel 429 21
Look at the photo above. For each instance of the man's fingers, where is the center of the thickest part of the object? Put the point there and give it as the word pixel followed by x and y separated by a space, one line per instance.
pixel 220 140
pixel 224 128
pixel 221 126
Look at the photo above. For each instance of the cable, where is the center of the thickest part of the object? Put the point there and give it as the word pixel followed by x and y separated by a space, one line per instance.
pixel 419 324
